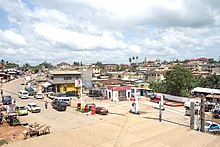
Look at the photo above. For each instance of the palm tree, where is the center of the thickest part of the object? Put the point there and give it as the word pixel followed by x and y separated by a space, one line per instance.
pixel 130 60
pixel 133 58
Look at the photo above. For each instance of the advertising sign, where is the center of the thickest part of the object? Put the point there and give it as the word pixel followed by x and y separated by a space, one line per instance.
pixel 78 83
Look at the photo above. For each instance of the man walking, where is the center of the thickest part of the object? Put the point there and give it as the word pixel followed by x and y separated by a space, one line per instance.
pixel 46 103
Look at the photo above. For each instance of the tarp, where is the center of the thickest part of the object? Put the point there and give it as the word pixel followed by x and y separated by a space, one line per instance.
pixel 46 84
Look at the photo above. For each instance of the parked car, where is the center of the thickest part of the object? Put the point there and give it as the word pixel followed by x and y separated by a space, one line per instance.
pixel 59 105
pixel 101 110
pixel 23 94
pixel 61 95
pixel 22 110
pixel 64 99
pixel 33 107
pixel 51 95
pixel 211 126
pixel 6 99
pixel 39 95
pixel 13 119
pixel 30 91
pixel 216 113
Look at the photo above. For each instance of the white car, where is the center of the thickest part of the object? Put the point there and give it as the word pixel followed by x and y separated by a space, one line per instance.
pixel 39 96
pixel 51 95
pixel 211 126
pixel 33 107
pixel 23 94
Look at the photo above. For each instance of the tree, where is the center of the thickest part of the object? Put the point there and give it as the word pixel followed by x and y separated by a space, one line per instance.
pixel 100 65
pixel 133 58
pixel 130 60
pixel 177 81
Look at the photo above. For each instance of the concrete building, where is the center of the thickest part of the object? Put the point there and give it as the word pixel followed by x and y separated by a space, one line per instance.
pixel 64 81
pixel 118 93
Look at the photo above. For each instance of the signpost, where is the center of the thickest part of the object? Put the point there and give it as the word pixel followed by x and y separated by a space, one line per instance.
pixel 78 83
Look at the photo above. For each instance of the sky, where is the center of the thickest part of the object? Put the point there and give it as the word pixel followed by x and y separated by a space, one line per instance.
pixel 108 31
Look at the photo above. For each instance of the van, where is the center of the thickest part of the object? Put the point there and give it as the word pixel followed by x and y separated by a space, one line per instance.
pixel 65 99
pixel 23 94
pixel 6 99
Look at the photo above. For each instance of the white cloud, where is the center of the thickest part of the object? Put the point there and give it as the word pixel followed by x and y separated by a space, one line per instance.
pixel 109 31
pixel 12 37
pixel 79 40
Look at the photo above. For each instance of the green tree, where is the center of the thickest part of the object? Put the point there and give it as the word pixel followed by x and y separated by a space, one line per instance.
pixel 177 81
pixel 212 81
pixel 133 58
pixel 100 65
pixel 109 75
pixel 130 60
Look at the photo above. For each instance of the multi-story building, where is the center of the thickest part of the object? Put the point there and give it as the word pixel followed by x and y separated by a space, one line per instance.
pixel 64 80
pixel 195 64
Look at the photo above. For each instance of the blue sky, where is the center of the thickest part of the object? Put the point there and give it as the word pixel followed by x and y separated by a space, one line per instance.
pixel 109 31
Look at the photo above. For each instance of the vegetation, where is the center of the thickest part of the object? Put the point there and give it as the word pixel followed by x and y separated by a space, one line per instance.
pixel 100 65
pixel 3 141
pixel 109 75
pixel 180 81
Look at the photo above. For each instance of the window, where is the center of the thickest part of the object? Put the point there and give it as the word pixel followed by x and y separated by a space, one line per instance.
pixel 67 78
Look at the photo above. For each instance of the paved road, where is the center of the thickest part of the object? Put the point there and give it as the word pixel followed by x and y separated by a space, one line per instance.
pixel 57 120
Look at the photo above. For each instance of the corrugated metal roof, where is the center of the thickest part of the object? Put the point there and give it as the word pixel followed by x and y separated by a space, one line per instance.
pixel 64 72
pixel 206 90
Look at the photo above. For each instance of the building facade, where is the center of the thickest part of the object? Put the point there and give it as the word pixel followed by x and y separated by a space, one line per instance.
pixel 64 81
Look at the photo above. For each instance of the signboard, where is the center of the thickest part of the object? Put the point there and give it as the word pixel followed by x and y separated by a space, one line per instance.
pixel 78 83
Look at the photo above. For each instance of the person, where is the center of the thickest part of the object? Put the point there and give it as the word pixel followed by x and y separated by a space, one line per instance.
pixel 14 100
pixel 1 92
pixel 46 103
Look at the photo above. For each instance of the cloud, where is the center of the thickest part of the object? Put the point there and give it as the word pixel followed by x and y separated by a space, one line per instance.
pixel 12 37
pixel 109 31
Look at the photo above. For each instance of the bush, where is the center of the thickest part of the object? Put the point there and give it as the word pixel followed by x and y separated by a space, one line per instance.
pixel 3 141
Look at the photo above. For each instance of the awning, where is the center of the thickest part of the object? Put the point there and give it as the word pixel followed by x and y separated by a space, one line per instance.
pixel 46 84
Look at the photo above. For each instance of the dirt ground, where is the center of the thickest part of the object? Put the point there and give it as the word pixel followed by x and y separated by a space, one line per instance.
pixel 11 133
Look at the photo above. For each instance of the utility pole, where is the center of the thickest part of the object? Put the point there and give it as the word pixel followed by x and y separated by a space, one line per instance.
pixel 202 114
pixel 192 113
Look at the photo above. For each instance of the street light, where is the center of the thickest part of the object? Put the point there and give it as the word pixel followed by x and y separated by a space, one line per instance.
pixel 212 102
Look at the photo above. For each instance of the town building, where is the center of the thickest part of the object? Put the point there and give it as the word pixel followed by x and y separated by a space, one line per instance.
pixel 63 65
pixel 118 93
pixel 63 81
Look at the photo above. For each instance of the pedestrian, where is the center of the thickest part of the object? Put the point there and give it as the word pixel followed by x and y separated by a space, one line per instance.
pixel 46 103
pixel 1 92
pixel 14 101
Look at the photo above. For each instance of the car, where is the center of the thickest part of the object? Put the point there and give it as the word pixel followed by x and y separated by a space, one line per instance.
pixel 61 95
pixel 13 119
pixel 64 99
pixel 211 126
pixel 101 110
pixel 21 110
pixel 216 113
pixel 23 94
pixel 51 95
pixel 6 99
pixel 39 95
pixel 30 91
pixel 33 107
pixel 59 105
pixel 22 83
